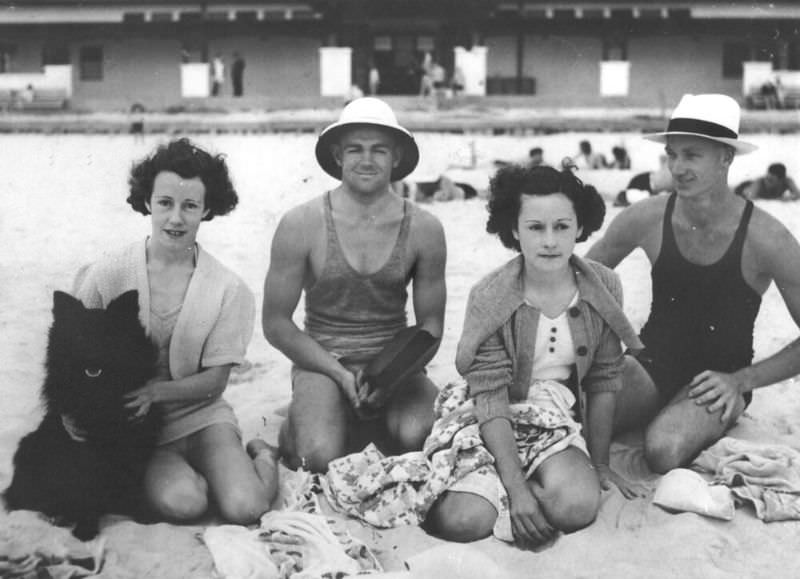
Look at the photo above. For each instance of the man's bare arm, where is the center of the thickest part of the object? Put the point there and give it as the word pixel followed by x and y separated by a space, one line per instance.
pixel 778 256
pixel 283 286
pixel 625 232
pixel 429 287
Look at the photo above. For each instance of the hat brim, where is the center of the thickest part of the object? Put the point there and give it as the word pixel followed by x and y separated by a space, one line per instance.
pixel 741 147
pixel 324 153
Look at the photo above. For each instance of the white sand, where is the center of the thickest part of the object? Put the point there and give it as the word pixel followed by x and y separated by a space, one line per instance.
pixel 63 200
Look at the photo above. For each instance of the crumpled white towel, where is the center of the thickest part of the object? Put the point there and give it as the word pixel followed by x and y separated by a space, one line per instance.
pixel 765 475
pixel 682 489
pixel 238 553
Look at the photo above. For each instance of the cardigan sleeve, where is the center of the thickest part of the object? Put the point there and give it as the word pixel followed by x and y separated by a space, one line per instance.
pixel 86 289
pixel 230 336
pixel 489 378
pixel 605 373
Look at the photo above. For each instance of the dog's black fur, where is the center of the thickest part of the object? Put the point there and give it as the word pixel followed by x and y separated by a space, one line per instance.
pixel 94 357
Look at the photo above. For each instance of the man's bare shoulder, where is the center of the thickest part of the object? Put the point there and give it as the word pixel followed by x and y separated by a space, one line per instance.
pixel 424 223
pixel 645 212
pixel 770 237
pixel 305 212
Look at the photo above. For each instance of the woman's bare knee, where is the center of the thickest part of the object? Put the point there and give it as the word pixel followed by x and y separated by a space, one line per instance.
pixel 182 500
pixel 461 517
pixel 243 505
pixel 573 509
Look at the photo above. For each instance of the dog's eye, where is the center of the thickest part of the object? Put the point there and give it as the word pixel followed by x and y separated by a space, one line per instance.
pixel 93 372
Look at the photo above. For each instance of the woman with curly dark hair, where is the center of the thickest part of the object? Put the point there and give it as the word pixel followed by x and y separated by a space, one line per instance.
pixel 541 360
pixel 200 315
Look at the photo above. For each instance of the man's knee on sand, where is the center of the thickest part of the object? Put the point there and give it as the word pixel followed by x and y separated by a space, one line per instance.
pixel 309 448
pixel 409 415
pixel 682 430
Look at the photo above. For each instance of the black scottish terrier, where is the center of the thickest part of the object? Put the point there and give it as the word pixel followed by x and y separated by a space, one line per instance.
pixel 87 457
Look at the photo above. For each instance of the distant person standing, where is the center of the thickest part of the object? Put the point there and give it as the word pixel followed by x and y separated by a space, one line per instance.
pixel 217 75
pixel 237 74
pixel 374 80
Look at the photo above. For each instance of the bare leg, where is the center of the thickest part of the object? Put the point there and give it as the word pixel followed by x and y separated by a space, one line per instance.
pixel 174 490
pixel 567 489
pixel 638 401
pixel 316 430
pixel 461 516
pixel 234 482
pixel 265 460
pixel 682 429
pixel 409 414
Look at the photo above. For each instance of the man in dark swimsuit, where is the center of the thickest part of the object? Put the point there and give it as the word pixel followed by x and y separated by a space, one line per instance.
pixel 713 255
pixel 352 252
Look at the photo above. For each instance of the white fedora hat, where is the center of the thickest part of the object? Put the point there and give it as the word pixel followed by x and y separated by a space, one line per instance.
pixel 711 116
pixel 367 111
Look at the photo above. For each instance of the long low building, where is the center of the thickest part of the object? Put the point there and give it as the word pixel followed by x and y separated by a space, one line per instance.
pixel 113 53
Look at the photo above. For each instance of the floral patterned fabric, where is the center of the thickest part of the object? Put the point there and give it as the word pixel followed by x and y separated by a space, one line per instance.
pixel 390 491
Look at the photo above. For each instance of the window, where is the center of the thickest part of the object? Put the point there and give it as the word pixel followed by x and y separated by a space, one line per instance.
pixel 7 52
pixel 55 53
pixel 733 55
pixel 91 63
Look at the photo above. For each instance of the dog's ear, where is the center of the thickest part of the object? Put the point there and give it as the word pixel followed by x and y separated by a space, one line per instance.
pixel 125 305
pixel 63 303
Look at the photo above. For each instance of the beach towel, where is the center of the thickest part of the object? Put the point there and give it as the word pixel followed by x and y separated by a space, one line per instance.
pixel 764 475
pixel 31 548
pixel 296 542
pixel 390 491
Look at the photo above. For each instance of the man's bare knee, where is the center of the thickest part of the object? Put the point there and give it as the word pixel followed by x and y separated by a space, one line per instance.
pixel 313 453
pixel 664 451
pixel 409 433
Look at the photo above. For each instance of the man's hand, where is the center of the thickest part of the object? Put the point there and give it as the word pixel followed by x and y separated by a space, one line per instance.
pixel 716 390
pixel 349 386
pixel 528 523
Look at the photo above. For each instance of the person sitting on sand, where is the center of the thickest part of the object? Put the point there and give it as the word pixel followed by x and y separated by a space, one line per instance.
pixel 713 255
pixel 541 338
pixel 620 158
pixel 587 158
pixel 776 184
pixel 200 315
pixel 353 251
pixel 649 182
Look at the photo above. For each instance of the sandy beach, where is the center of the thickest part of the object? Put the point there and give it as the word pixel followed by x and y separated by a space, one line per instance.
pixel 63 199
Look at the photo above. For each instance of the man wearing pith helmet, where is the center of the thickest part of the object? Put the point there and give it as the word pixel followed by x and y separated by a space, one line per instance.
pixel 713 255
pixel 353 252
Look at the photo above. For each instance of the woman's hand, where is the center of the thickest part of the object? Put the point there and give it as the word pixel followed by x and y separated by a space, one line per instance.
pixel 608 477
pixel 141 400
pixel 528 523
